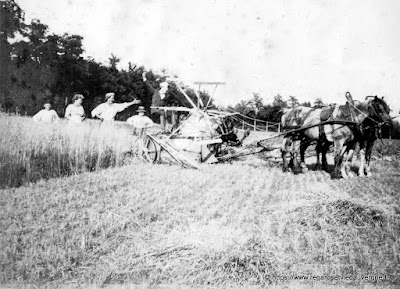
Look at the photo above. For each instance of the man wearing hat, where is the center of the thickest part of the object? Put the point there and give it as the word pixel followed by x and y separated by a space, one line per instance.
pixel 108 110
pixel 157 100
pixel 140 122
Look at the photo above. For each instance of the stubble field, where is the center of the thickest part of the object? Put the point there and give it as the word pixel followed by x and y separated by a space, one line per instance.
pixel 229 225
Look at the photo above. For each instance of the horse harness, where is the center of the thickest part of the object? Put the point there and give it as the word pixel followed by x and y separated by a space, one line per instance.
pixel 298 119
pixel 337 113
pixel 347 113
pixel 375 125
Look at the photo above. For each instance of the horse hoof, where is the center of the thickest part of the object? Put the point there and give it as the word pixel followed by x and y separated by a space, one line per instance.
pixel 351 175
pixel 361 175
pixel 369 175
pixel 297 170
pixel 304 170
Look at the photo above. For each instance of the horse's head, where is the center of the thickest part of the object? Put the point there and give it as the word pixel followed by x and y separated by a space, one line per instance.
pixel 379 111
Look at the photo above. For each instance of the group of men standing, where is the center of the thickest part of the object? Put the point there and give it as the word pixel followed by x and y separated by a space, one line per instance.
pixel 107 111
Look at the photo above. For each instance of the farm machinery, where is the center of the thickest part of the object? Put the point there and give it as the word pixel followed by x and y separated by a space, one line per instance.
pixel 209 136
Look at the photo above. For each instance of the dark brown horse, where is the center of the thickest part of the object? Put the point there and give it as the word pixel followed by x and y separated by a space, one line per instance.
pixel 370 131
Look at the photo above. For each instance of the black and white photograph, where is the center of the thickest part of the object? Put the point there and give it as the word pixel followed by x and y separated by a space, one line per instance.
pixel 200 144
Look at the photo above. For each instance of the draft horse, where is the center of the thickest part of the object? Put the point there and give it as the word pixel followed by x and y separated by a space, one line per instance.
pixel 346 125
pixel 370 131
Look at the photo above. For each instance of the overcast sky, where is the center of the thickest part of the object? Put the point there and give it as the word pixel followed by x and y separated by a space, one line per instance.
pixel 304 48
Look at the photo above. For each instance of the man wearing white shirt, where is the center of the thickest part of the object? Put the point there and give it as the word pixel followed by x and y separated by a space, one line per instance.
pixel 46 115
pixel 140 122
pixel 108 110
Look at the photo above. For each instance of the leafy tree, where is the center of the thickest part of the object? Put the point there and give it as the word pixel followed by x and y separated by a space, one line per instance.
pixel 52 66
pixel 293 101
pixel 271 113
pixel 306 103
pixel 34 70
pixel 318 102
pixel 256 103
pixel 278 101
pixel 11 23
pixel 36 32
pixel 114 60
pixel 242 107
pixel 72 68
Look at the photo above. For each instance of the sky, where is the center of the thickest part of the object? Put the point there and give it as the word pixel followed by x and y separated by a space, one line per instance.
pixel 304 48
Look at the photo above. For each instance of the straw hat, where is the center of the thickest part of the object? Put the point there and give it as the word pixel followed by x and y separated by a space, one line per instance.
pixel 141 109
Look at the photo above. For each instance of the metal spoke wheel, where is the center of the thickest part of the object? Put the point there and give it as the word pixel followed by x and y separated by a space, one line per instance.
pixel 150 151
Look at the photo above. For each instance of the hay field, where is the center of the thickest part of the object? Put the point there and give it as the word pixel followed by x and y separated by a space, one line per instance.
pixel 31 151
pixel 227 225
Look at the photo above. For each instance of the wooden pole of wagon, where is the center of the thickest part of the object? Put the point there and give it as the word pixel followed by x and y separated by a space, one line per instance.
pixel 187 97
pixel 255 123
pixel 266 126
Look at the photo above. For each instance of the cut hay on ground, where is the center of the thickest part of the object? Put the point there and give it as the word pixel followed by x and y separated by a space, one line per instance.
pixel 227 225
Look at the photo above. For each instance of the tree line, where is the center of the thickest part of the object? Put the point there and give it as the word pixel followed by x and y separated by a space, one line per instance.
pixel 271 112
pixel 36 65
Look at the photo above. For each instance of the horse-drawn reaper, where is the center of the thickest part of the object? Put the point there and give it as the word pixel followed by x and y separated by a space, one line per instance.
pixel 197 139
pixel 203 133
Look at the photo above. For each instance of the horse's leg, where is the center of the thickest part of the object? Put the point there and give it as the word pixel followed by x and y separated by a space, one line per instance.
pixel 347 162
pixel 295 154
pixel 343 165
pixel 291 158
pixel 303 147
pixel 290 165
pixel 319 152
pixel 361 167
pixel 338 146
pixel 368 152
pixel 344 162
pixel 284 149
pixel 324 151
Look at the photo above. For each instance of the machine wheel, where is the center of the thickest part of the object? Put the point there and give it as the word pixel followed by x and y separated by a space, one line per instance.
pixel 150 151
